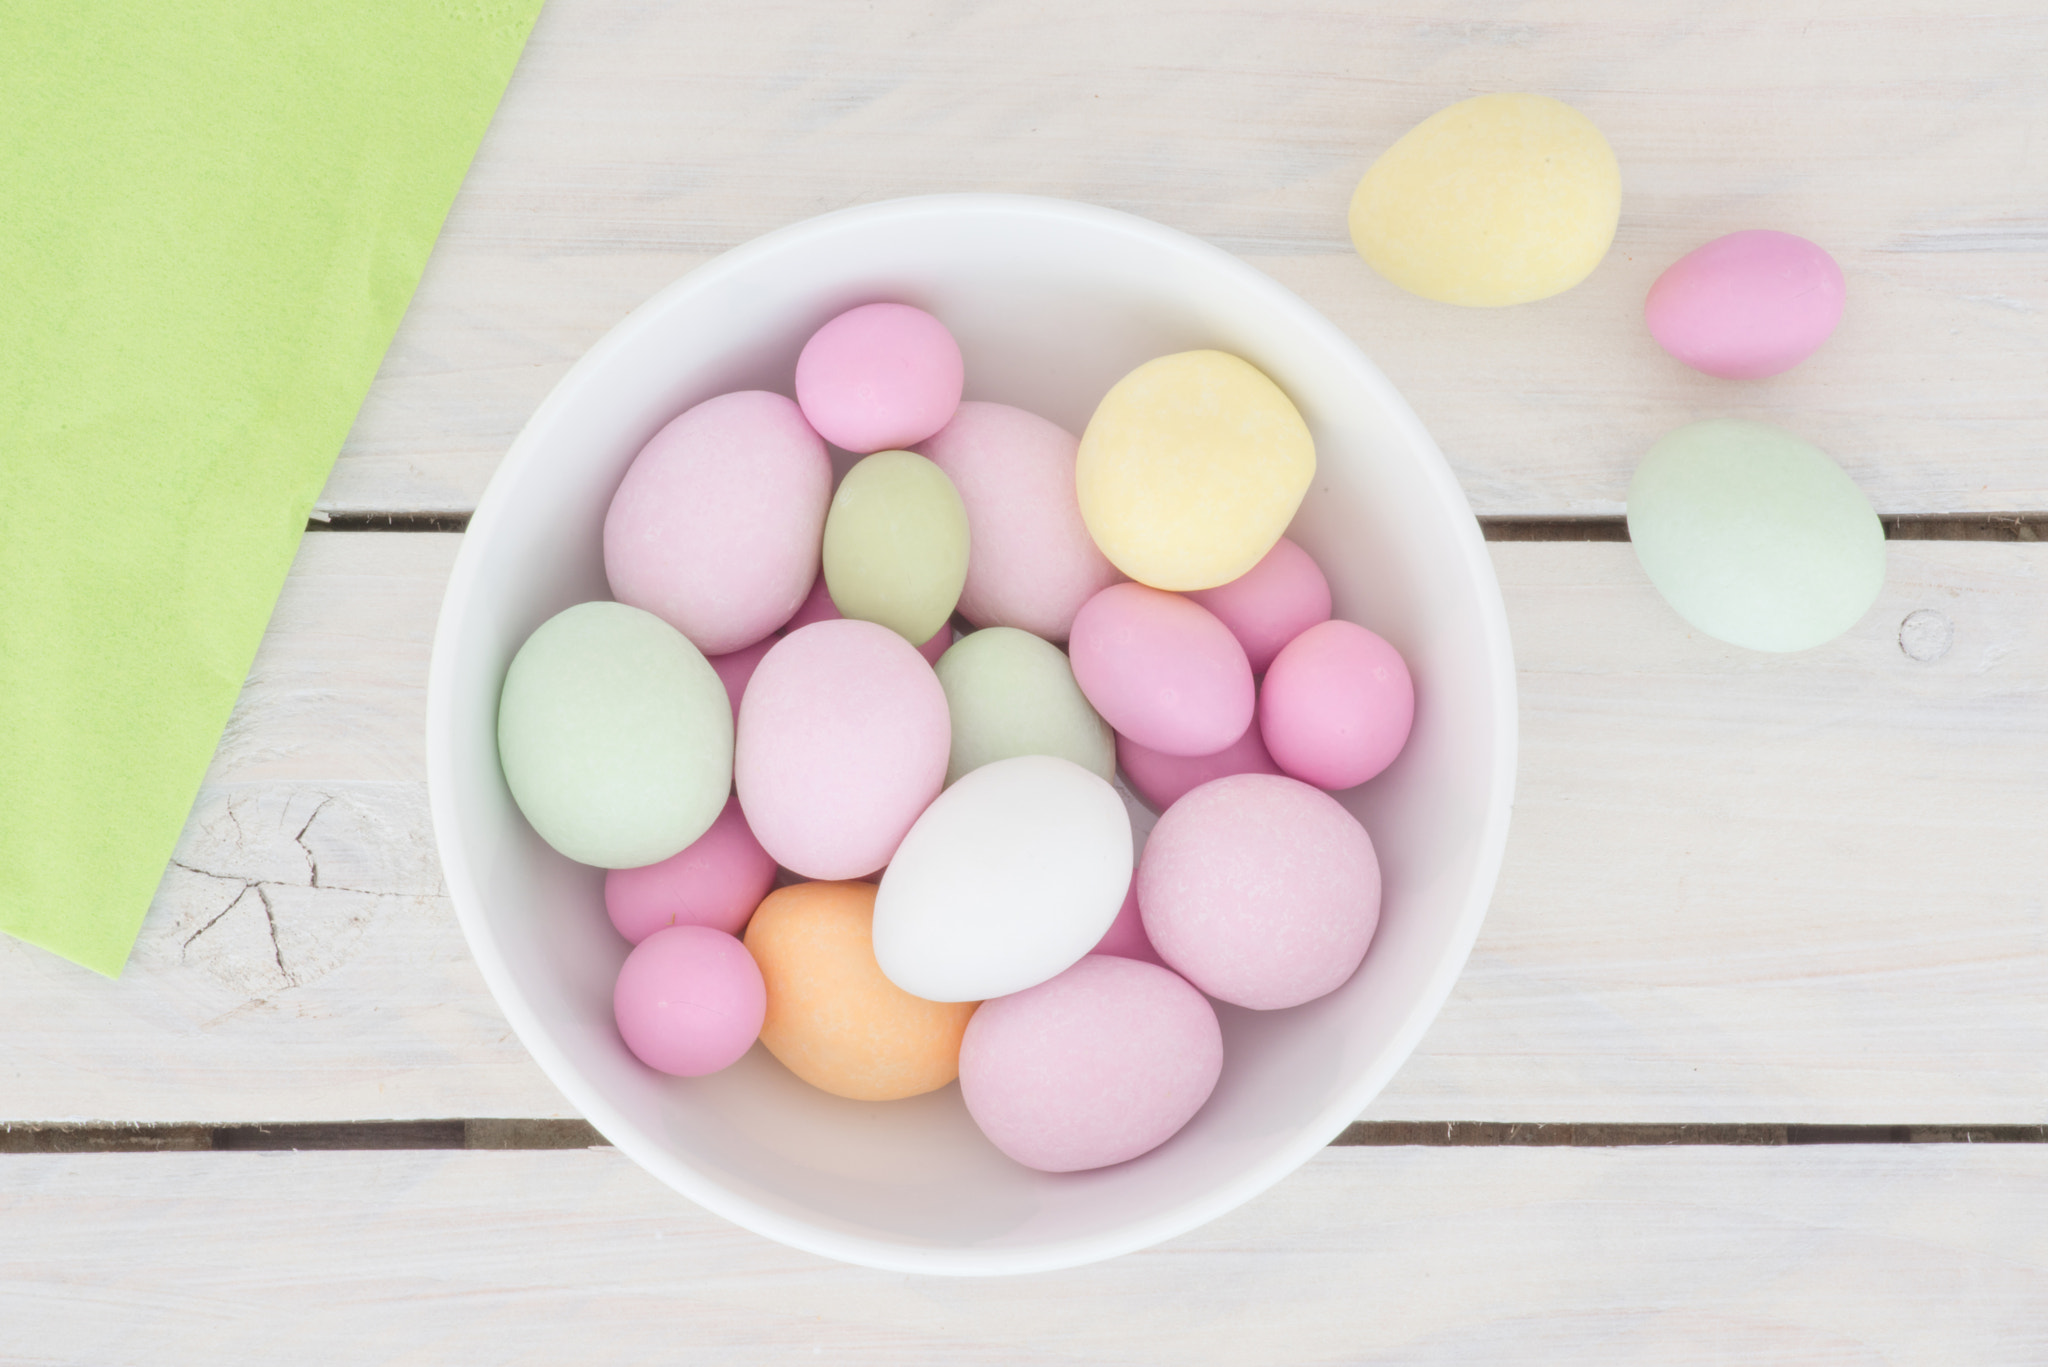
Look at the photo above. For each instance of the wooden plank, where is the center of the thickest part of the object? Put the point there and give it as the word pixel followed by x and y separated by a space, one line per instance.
pixel 1739 888
pixel 1846 1257
pixel 637 140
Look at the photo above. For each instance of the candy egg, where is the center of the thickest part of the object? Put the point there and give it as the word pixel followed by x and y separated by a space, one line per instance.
pixel 1159 780
pixel 1746 305
pixel 1271 603
pixel 1034 563
pixel 879 376
pixel 1260 890
pixel 615 736
pixel 1103 1063
pixel 1501 199
pixel 689 1000
pixel 1009 878
pixel 1191 468
pixel 832 1018
pixel 818 607
pixel 896 544
pixel 716 882
pixel 1336 706
pixel 1011 694
pixel 737 668
pixel 715 527
pixel 1755 536
pixel 1162 670
pixel 843 737
pixel 1125 937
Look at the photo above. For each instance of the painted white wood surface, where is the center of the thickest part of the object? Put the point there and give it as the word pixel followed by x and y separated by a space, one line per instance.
pixel 1906 136
pixel 1738 887
pixel 1805 1257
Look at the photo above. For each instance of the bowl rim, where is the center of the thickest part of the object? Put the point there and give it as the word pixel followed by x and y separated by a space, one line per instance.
pixel 646 1149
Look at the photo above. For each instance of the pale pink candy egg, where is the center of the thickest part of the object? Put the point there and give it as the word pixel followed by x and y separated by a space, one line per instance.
pixel 1096 1066
pixel 716 882
pixel 1125 937
pixel 1159 780
pixel 1034 563
pixel 880 377
pixel 735 668
pixel 689 1001
pixel 1260 890
pixel 1336 706
pixel 1271 603
pixel 842 742
pixel 1746 305
pixel 1162 670
pixel 717 526
pixel 819 607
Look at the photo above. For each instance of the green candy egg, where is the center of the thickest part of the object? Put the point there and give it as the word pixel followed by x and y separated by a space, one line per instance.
pixel 1755 536
pixel 896 544
pixel 615 736
pixel 1012 694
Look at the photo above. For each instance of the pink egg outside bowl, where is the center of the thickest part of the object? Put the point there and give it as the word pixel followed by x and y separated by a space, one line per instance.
pixel 1050 302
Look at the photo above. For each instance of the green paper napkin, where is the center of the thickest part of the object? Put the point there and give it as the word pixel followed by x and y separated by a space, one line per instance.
pixel 212 214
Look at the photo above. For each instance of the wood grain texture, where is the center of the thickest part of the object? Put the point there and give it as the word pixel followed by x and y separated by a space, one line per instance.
pixel 1738 888
pixel 638 140
pixel 1602 1258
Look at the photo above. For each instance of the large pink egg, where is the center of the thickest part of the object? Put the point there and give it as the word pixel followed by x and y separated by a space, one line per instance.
pixel 1260 890
pixel 1336 706
pixel 1271 603
pixel 689 1000
pixel 1125 937
pixel 880 377
pixel 842 742
pixel 819 607
pixel 717 526
pixel 1096 1066
pixel 716 882
pixel 1034 563
pixel 1159 780
pixel 1162 670
pixel 1746 305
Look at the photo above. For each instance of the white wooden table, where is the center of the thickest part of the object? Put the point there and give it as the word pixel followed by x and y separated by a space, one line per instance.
pixel 1748 901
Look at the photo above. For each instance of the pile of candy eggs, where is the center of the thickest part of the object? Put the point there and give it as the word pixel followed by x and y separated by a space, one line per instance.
pixel 894 858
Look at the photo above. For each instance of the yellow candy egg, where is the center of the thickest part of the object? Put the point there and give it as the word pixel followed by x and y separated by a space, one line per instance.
pixel 1501 199
pixel 1191 469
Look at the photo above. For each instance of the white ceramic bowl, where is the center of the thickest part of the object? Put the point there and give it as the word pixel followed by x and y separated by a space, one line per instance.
pixel 1052 302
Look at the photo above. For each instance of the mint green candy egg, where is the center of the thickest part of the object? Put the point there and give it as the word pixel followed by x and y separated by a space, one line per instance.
pixel 896 545
pixel 615 736
pixel 1012 693
pixel 1754 535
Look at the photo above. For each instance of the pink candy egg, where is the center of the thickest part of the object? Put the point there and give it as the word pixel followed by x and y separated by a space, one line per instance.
pixel 1162 670
pixel 1746 305
pixel 716 882
pixel 1336 706
pixel 880 377
pixel 1260 890
pixel 819 607
pixel 1125 937
pixel 716 527
pixel 1159 780
pixel 1034 563
pixel 689 1000
pixel 1096 1066
pixel 1271 603
pixel 736 668
pixel 842 742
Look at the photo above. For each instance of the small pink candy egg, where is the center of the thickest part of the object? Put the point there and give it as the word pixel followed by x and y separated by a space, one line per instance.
pixel 736 668
pixel 1260 890
pixel 689 1000
pixel 717 525
pixel 1034 563
pixel 819 607
pixel 1096 1066
pixel 1162 670
pixel 1125 937
pixel 1159 780
pixel 842 743
pixel 716 882
pixel 1336 706
pixel 880 377
pixel 1746 305
pixel 1271 603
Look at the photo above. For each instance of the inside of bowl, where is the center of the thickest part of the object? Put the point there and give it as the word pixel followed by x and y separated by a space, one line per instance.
pixel 1051 304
